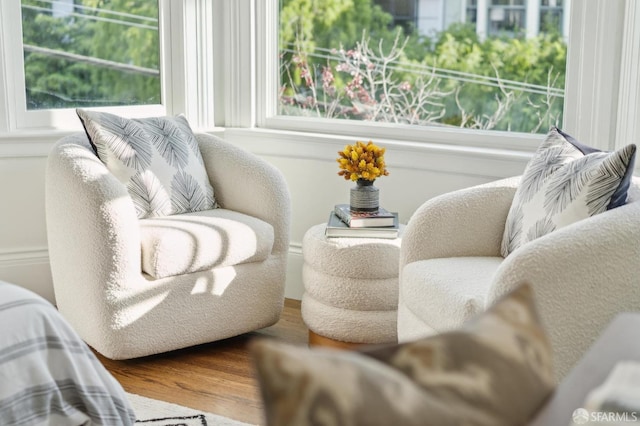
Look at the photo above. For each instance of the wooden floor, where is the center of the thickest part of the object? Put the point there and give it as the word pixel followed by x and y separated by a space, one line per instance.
pixel 217 377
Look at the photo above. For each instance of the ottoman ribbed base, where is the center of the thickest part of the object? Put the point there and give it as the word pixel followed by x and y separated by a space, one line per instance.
pixel 351 287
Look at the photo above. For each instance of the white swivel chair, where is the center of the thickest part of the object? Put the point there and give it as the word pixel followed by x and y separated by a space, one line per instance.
pixel 582 275
pixel 222 270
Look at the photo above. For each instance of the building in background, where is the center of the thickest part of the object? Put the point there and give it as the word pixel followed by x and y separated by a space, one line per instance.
pixel 61 8
pixel 490 17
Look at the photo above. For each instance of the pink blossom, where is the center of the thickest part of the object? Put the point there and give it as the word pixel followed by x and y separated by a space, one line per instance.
pixel 327 80
pixel 364 97
pixel 306 75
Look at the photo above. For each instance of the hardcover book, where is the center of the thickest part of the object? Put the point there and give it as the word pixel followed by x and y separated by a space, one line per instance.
pixel 353 219
pixel 337 228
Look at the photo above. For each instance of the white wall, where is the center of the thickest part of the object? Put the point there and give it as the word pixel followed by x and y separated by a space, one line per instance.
pixel 417 173
pixel 23 243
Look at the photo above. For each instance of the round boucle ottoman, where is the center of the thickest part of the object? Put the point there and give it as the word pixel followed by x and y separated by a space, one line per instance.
pixel 351 288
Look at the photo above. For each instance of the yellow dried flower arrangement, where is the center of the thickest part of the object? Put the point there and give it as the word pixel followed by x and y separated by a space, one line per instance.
pixel 362 161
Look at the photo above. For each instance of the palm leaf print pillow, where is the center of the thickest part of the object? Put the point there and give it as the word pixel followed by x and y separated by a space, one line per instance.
pixel 566 181
pixel 157 159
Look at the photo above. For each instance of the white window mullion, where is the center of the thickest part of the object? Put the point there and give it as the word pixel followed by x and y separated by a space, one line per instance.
pixel 267 63
pixel 190 67
pixel 628 125
pixel 240 87
pixel 5 108
pixel 219 40
pixel 533 18
pixel 172 60
pixel 482 18
pixel 13 63
pixel 566 19
pixel 592 79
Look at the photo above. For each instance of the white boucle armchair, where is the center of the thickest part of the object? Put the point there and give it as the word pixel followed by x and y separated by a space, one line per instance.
pixel 582 275
pixel 95 248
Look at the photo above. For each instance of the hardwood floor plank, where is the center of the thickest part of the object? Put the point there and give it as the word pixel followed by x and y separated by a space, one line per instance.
pixel 217 377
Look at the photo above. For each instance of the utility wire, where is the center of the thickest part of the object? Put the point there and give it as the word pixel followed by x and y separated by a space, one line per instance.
pixel 96 18
pixel 99 10
pixel 453 75
pixel 92 60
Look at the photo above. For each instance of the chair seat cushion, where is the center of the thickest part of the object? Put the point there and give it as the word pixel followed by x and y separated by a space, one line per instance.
pixel 445 292
pixel 197 241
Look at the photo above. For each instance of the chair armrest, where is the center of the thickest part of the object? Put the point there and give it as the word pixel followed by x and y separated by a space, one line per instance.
pixel 92 227
pixel 582 275
pixel 468 222
pixel 246 183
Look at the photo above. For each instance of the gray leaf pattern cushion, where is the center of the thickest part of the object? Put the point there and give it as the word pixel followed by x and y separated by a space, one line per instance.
pixel 157 159
pixel 495 370
pixel 565 181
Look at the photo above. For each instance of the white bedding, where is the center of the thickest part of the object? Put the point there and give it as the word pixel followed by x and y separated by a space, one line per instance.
pixel 48 375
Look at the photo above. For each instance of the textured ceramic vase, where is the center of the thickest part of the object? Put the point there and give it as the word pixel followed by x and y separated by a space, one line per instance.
pixel 364 196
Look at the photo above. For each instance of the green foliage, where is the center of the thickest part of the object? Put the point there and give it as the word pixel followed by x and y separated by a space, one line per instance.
pixel 54 82
pixel 306 25
pixel 141 49
pixel 537 61
pixel 499 83
pixel 334 23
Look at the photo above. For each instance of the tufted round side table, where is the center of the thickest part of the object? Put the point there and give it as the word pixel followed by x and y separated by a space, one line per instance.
pixel 351 288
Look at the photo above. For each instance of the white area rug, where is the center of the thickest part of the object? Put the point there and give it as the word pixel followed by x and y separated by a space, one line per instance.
pixel 151 412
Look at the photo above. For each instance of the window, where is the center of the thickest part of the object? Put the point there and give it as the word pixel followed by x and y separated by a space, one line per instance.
pixel 601 100
pixel 507 17
pixel 76 55
pixel 551 16
pixel 404 12
pixel 114 54
pixel 472 11
pixel 376 73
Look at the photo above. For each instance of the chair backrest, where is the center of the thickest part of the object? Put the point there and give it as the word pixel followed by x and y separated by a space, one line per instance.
pixel 634 190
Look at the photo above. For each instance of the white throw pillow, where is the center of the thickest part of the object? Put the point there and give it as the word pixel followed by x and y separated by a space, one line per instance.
pixel 157 159
pixel 565 182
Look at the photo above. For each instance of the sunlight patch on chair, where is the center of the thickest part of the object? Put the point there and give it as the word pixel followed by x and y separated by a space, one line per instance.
pixel 137 310
pixel 222 277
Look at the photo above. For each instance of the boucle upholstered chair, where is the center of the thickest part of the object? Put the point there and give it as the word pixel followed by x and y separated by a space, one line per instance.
pixel 582 274
pixel 98 249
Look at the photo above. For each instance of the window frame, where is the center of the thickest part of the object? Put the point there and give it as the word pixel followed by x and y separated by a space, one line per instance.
pixel 267 117
pixel 186 73
pixel 231 80
pixel 506 8
pixel 595 47
pixel 554 11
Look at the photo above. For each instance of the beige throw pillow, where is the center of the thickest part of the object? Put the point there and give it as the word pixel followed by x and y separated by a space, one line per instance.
pixel 496 370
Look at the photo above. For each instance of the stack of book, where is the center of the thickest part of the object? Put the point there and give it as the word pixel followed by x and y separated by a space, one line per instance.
pixel 346 223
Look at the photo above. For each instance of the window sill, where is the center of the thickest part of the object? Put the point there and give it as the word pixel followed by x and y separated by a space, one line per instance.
pixel 512 141
pixel 467 160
